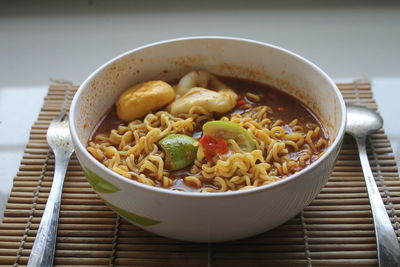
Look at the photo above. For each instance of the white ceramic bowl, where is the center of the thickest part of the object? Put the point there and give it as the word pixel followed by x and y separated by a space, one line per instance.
pixel 211 217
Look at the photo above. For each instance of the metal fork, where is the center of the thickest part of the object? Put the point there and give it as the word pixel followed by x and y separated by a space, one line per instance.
pixel 59 139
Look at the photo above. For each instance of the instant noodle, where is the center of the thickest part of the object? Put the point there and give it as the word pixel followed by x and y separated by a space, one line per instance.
pixel 215 134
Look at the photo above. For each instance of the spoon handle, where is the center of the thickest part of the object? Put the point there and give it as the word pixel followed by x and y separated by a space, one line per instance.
pixel 386 239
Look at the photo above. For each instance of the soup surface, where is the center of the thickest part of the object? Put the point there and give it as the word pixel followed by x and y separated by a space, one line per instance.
pixel 261 136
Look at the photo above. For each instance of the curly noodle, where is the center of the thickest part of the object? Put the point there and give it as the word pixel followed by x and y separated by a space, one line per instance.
pixel 281 150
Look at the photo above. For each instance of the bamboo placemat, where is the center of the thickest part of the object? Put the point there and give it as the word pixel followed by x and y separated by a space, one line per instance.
pixel 336 229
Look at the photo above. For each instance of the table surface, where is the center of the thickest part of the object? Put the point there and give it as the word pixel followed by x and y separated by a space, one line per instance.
pixel 46 41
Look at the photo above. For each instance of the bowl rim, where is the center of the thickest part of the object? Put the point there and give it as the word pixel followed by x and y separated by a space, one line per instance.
pixel 336 142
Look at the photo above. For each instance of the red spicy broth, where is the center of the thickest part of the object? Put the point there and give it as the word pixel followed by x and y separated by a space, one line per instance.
pixel 282 107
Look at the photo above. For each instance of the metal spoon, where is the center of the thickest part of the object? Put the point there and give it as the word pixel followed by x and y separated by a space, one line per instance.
pixel 360 123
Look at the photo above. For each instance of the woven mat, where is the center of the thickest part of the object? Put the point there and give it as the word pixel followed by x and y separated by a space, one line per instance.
pixel 336 229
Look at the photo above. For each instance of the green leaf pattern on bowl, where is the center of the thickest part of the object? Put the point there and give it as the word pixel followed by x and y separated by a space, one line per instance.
pixel 98 183
pixel 132 216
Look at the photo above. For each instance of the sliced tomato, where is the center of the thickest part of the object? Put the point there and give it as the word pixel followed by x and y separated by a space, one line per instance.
pixel 241 102
pixel 213 146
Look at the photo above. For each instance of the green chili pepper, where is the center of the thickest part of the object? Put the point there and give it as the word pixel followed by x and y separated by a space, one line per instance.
pixel 230 130
pixel 180 150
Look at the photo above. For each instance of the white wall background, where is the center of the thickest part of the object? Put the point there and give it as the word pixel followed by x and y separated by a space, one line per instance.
pixel 40 40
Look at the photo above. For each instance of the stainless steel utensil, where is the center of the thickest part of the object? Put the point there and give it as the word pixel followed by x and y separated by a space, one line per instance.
pixel 59 139
pixel 360 123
